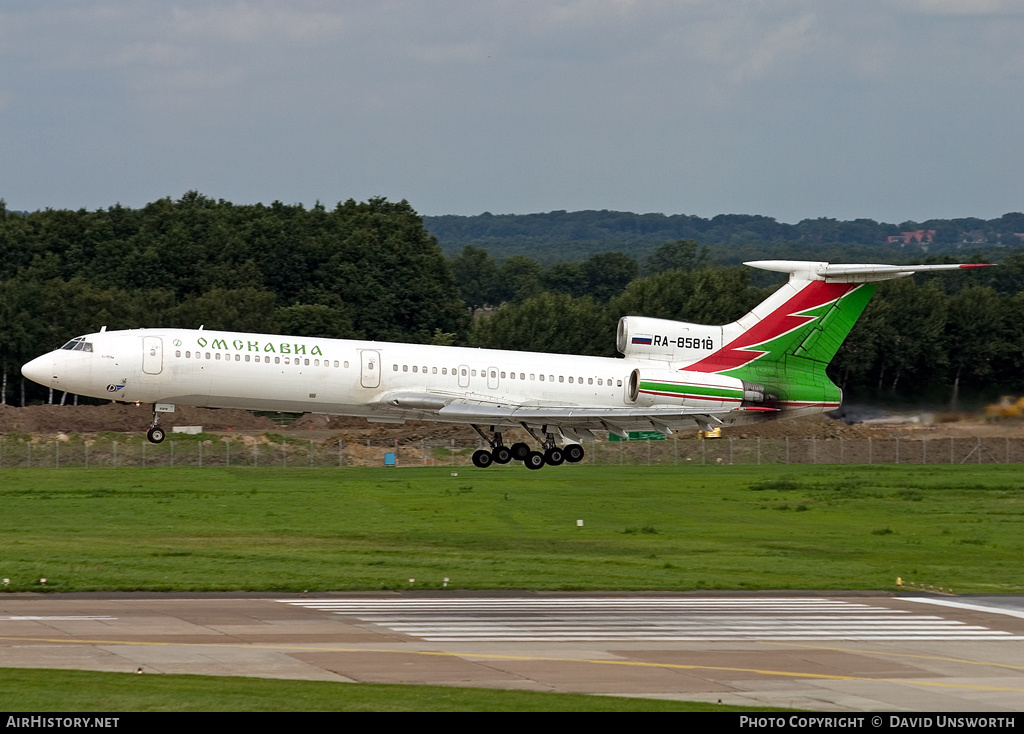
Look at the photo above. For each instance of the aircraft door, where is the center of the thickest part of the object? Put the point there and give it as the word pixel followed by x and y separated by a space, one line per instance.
pixel 152 355
pixel 463 376
pixel 369 375
pixel 492 378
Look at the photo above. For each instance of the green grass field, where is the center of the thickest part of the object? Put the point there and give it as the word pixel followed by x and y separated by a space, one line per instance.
pixel 667 528
pixel 82 691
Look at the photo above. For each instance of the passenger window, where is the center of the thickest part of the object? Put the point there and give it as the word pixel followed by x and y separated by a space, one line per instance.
pixel 590 380
pixel 405 368
pixel 414 368
pixel 570 380
pixel 207 355
pixel 433 370
pixel 188 355
pixel 561 378
pixel 247 358
pixel 277 360
pixel 503 375
pixel 444 370
pixel 522 375
pixel 541 378
pixel 618 383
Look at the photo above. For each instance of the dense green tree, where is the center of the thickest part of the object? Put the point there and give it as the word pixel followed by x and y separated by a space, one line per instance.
pixel 520 279
pixel 701 296
pixel 975 335
pixel 242 309
pixel 911 326
pixel 551 322
pixel 567 277
pixel 677 255
pixel 315 320
pixel 608 274
pixel 477 276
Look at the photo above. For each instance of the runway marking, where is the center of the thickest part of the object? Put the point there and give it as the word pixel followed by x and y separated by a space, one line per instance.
pixel 975 607
pixel 55 619
pixel 525 658
pixel 652 619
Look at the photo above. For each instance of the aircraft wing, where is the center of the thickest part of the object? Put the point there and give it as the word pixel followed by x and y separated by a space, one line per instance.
pixel 664 419
pixel 571 420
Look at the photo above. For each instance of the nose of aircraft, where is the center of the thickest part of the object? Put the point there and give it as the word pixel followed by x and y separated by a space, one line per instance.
pixel 39 369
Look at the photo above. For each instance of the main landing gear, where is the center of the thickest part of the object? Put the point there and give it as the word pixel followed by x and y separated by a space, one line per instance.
pixel 501 454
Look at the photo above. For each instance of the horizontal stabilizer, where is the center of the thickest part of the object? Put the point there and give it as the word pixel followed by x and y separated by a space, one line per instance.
pixel 842 273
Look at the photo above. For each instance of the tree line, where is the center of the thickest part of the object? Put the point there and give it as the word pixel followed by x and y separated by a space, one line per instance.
pixel 561 235
pixel 371 270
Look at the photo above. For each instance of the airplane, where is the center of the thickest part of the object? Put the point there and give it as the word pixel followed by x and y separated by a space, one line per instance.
pixel 672 375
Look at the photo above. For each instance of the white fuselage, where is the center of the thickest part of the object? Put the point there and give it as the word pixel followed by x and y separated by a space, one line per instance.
pixel 341 377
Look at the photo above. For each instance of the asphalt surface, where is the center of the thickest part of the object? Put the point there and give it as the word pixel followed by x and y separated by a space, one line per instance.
pixel 826 652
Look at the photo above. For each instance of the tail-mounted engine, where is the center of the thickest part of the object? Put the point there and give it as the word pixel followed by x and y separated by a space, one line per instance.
pixel 639 337
pixel 693 390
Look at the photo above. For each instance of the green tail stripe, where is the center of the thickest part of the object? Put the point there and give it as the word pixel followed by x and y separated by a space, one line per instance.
pixel 794 366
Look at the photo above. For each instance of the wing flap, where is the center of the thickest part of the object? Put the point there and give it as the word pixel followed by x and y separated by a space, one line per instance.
pixel 664 419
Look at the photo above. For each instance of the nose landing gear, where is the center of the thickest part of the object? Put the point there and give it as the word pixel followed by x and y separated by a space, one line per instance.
pixel 156 434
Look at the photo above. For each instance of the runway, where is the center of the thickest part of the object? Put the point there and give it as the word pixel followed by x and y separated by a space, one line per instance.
pixel 833 652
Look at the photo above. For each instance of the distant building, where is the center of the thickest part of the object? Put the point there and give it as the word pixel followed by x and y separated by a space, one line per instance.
pixel 919 236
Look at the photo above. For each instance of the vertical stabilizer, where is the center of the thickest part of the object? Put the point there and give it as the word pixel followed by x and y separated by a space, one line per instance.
pixel 787 341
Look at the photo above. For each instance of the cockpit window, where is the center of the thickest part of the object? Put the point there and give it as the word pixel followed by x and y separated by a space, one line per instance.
pixel 78 344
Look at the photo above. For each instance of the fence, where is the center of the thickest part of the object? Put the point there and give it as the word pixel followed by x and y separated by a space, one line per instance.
pixel 263 451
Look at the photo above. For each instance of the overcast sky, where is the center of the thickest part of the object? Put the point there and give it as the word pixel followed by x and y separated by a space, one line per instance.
pixel 886 109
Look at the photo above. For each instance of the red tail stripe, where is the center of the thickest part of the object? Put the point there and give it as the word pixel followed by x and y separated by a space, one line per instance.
pixel 780 321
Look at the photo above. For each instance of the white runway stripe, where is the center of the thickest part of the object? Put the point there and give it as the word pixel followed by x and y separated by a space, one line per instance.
pixel 54 619
pixel 651 619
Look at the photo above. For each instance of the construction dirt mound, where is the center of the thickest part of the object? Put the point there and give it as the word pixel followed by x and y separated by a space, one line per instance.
pixel 123 418
pixel 52 419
